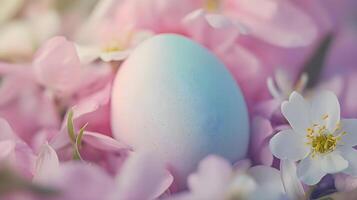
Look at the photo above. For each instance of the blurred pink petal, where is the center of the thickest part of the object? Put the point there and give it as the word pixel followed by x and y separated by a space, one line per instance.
pixel 142 177
pixel 262 130
pixel 103 142
pixel 206 182
pixel 7 147
pixel 47 164
pixel 82 181
pixel 148 14
pixel 57 66
pixel 275 21
pixel 345 183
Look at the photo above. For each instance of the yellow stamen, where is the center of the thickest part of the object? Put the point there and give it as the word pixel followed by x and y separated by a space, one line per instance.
pixel 211 5
pixel 322 141
pixel 325 116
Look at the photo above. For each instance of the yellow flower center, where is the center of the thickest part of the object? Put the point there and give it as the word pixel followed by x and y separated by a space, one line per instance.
pixel 113 47
pixel 211 5
pixel 323 143
pixel 322 140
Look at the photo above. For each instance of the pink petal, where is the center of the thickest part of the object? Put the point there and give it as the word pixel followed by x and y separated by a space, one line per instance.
pixel 142 177
pixel 278 22
pixel 103 142
pixel 7 147
pixel 47 164
pixel 57 66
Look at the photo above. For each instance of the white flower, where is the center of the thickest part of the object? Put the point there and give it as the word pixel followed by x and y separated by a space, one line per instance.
pixel 101 38
pixel 211 11
pixel 217 179
pixel 280 86
pixel 318 139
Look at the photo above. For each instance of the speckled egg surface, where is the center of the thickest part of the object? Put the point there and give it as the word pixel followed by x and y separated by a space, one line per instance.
pixel 174 98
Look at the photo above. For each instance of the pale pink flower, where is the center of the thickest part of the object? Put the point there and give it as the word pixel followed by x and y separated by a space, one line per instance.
pixel 217 179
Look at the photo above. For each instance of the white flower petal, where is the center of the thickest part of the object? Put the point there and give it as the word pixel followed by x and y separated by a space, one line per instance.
pixel 309 170
pixel 47 164
pixel 325 109
pixel 333 163
pixel 291 182
pixel 142 170
pixel 289 145
pixel 350 127
pixel 7 147
pixel 350 154
pixel 268 180
pixel 296 111
pixel 87 54
pixel 193 15
pixel 115 55
pixel 218 21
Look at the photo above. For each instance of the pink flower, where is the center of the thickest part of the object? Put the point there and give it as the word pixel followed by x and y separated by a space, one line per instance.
pixel 97 147
pixel 23 105
pixel 217 179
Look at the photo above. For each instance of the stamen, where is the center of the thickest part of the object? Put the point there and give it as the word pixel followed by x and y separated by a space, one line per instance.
pixel 212 5
pixel 322 141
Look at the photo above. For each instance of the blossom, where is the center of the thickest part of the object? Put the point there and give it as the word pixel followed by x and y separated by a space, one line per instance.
pixel 281 86
pixel 107 40
pixel 319 139
pixel 213 13
pixel 258 182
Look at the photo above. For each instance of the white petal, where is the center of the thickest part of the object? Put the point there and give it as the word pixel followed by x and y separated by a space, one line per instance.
pixel 325 109
pixel 47 164
pixel 333 163
pixel 206 181
pixel 87 54
pixel 115 55
pixel 218 21
pixel 268 180
pixel 193 15
pixel 350 154
pixel 7 147
pixel 289 145
pixel 309 171
pixel 292 184
pixel 142 170
pixel 350 127
pixel 296 111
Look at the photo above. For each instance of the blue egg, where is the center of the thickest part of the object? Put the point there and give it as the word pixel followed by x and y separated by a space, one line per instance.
pixel 174 98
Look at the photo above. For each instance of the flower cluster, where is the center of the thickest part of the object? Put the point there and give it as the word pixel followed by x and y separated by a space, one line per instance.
pixel 293 60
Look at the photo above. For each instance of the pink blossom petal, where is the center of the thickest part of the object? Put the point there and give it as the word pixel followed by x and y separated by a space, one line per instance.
pixel 278 22
pixel 142 177
pixel 206 182
pixel 7 147
pixel 47 164
pixel 103 142
pixel 82 181
pixel 57 65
